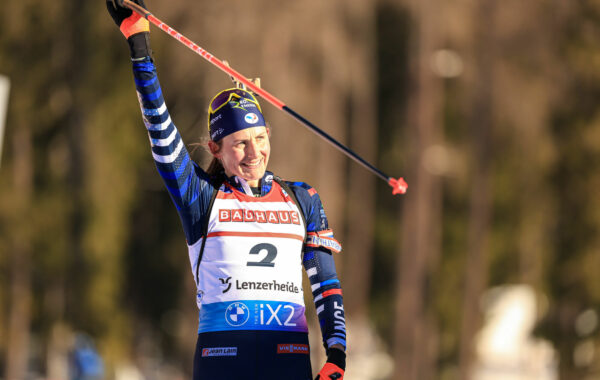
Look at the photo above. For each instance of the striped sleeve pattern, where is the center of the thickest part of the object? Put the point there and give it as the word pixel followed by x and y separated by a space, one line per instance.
pixel 327 295
pixel 187 184
pixel 320 266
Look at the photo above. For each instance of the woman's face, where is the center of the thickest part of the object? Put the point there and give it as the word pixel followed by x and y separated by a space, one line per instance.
pixel 245 154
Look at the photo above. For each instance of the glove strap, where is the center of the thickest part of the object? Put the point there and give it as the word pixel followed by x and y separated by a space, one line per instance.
pixel 337 357
pixel 139 45
pixel 134 24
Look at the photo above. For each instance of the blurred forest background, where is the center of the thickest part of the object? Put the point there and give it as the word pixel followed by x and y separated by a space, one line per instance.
pixel 486 107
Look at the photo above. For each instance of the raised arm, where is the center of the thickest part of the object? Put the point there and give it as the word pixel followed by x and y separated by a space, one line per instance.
pixel 187 184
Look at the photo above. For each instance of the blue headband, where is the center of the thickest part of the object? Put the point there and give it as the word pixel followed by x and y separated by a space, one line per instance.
pixel 238 110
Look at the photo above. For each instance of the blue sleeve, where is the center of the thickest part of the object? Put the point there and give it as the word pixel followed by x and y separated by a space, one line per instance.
pixel 188 185
pixel 320 266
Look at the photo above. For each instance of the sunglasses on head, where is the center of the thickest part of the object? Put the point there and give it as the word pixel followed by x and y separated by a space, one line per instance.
pixel 226 96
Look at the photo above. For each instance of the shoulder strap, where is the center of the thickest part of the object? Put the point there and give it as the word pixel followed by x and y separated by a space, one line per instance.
pixel 205 228
pixel 288 190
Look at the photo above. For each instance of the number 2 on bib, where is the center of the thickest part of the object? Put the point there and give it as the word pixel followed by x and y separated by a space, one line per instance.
pixel 267 261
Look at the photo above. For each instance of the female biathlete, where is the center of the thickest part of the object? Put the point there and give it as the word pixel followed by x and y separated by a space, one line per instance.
pixel 248 233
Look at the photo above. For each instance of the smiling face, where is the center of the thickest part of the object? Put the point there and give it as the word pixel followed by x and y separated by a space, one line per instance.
pixel 244 153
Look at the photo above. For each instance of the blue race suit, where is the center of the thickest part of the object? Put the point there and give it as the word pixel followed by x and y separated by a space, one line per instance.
pixel 264 337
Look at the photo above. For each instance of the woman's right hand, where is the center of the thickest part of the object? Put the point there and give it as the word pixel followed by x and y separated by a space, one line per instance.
pixel 129 22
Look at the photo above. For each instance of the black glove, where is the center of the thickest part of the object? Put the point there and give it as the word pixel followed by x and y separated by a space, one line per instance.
pixel 334 367
pixel 120 13
pixel 133 26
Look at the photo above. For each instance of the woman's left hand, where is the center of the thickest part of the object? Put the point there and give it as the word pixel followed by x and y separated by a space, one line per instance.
pixel 335 365
pixel 330 371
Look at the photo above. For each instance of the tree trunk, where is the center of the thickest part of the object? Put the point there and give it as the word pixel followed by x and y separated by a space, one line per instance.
pixel 20 294
pixel 331 163
pixel 480 208
pixel 360 219
pixel 420 233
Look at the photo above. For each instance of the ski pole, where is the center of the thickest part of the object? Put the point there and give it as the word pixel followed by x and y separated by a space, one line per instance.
pixel 399 186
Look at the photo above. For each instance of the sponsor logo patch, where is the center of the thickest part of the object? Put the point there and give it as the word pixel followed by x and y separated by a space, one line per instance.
pixel 246 103
pixel 258 216
pixel 251 118
pixel 323 239
pixel 219 351
pixel 216 118
pixel 225 281
pixel 288 287
pixel 237 314
pixel 292 348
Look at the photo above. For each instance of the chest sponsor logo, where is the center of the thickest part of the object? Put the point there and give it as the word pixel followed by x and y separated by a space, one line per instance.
pixel 225 282
pixel 237 314
pixel 288 287
pixel 219 351
pixel 258 216
pixel 292 348
pixel 268 314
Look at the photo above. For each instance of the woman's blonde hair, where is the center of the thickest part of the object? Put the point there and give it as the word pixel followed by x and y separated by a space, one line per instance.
pixel 215 167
